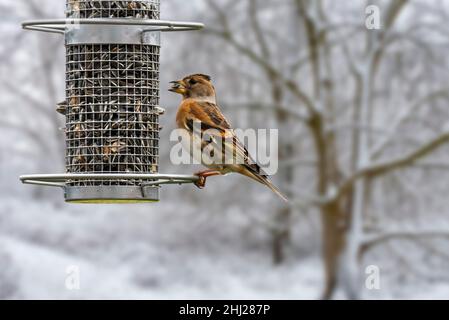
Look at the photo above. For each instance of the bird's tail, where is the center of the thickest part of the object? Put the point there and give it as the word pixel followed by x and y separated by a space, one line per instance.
pixel 264 180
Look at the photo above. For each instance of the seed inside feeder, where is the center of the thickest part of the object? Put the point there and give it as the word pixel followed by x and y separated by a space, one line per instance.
pixel 113 9
pixel 112 98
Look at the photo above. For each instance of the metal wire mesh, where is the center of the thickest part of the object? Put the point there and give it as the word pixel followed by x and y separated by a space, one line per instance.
pixel 148 9
pixel 112 91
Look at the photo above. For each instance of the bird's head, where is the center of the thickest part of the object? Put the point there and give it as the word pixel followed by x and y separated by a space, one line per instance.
pixel 197 86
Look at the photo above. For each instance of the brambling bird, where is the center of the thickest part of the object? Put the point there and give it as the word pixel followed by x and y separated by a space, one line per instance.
pixel 199 106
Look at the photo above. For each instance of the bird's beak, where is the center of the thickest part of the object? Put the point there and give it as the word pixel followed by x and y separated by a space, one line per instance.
pixel 178 87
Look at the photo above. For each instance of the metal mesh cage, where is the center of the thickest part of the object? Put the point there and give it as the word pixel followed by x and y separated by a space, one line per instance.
pixel 112 100
pixel 147 9
pixel 112 93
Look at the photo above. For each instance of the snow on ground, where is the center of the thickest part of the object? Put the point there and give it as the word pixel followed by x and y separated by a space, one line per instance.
pixel 138 252
pixel 42 274
pixel 158 252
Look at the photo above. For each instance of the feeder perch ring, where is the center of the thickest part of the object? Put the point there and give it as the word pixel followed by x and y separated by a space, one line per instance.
pixel 59 180
pixel 147 191
pixel 61 26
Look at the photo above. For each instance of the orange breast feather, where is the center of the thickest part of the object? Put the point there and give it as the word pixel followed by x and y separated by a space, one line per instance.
pixel 183 114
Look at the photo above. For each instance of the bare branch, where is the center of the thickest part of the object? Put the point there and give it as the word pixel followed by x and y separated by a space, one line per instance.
pixel 388 166
pixel 313 41
pixel 31 101
pixel 304 199
pixel 266 65
pixel 264 107
pixel 432 165
pixel 257 29
pixel 405 115
pixel 6 55
pixel 393 12
pixel 299 161
pixel 377 239
pixel 29 132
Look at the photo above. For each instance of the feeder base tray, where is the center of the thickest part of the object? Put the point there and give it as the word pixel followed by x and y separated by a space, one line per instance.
pixel 111 194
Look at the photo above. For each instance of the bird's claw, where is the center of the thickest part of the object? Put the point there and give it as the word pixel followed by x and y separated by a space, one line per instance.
pixel 201 182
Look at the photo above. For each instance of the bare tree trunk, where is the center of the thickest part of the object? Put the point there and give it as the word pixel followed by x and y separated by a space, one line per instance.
pixel 342 217
pixel 333 242
pixel 281 235
pixel 332 215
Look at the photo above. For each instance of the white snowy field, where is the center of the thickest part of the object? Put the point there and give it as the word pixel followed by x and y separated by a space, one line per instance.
pixel 136 252
pixel 150 252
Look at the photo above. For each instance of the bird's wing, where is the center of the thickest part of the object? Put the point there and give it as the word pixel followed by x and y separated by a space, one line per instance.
pixel 211 117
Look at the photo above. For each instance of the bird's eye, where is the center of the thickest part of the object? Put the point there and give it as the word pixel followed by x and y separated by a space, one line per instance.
pixel 192 82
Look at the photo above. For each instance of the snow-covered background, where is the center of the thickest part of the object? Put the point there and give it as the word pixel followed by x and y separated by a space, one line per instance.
pixel 235 239
pixel 137 252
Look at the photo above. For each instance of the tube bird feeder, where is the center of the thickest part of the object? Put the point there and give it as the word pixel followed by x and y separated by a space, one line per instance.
pixel 112 101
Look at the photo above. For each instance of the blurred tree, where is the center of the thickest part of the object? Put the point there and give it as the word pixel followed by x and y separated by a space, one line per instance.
pixel 358 110
pixel 36 120
pixel 333 79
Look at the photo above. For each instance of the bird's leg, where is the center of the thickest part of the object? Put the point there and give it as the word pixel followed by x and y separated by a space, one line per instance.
pixel 202 175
